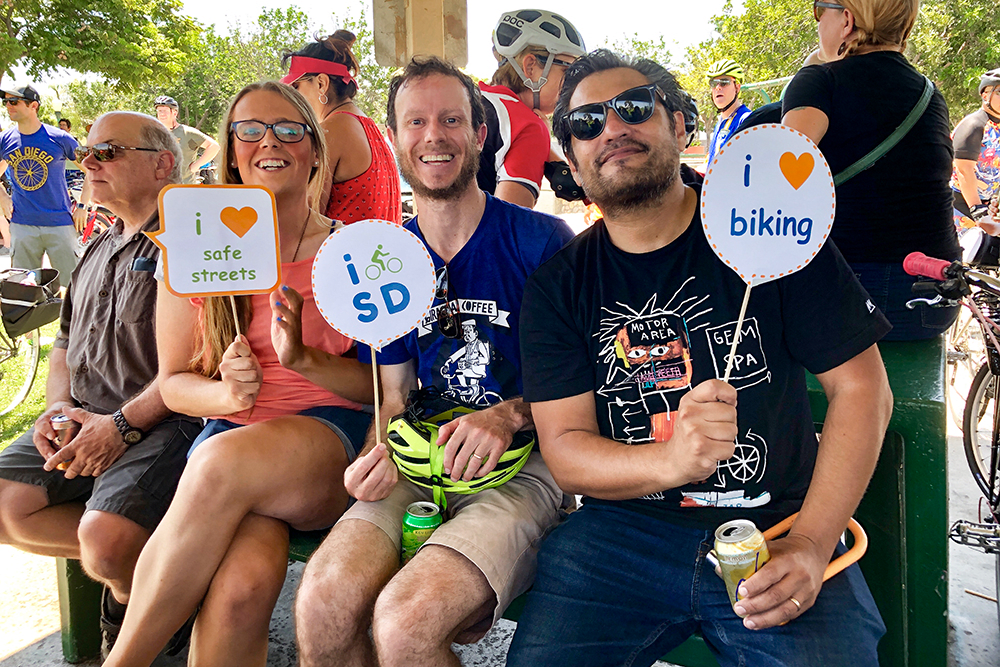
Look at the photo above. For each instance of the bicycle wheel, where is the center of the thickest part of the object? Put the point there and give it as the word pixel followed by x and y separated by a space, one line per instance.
pixel 966 352
pixel 18 364
pixel 977 431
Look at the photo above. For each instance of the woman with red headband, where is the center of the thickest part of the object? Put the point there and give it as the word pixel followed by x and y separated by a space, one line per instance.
pixel 365 180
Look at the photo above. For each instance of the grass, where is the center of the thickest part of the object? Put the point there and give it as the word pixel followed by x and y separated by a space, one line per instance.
pixel 23 417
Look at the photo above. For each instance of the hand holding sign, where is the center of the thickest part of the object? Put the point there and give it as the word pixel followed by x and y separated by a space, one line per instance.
pixel 373 281
pixel 767 207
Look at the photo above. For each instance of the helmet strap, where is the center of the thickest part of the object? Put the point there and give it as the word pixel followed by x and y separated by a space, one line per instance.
pixel 731 103
pixel 988 104
pixel 534 86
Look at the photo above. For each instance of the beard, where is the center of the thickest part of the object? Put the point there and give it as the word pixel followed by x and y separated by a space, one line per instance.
pixel 466 175
pixel 634 188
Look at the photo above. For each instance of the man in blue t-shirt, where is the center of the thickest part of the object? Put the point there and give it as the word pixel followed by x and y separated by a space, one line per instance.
pixel 724 80
pixel 467 348
pixel 34 156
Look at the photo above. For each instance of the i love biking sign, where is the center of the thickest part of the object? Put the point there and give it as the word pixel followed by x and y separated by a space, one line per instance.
pixel 373 281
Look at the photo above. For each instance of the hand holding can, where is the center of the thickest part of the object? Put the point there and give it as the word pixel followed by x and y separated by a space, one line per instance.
pixel 66 428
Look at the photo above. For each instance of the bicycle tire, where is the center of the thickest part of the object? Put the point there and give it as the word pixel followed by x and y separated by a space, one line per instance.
pixel 18 367
pixel 966 352
pixel 982 394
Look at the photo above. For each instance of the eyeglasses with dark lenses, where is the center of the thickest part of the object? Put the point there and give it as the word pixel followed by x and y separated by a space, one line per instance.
pixel 720 82
pixel 287 132
pixel 13 101
pixel 105 152
pixel 819 7
pixel 633 106
pixel 449 318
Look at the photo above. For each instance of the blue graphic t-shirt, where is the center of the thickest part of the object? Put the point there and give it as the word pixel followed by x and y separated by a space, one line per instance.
pixel 977 138
pixel 483 365
pixel 726 128
pixel 36 168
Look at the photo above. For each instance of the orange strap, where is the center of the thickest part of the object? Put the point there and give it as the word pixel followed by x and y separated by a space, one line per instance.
pixel 841 562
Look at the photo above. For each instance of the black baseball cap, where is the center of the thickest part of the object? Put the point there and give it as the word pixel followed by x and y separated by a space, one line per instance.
pixel 23 91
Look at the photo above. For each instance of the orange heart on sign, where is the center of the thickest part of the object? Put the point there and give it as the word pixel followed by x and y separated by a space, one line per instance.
pixel 241 220
pixel 796 170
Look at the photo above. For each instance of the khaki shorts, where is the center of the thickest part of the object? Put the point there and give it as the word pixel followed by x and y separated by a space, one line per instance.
pixel 498 530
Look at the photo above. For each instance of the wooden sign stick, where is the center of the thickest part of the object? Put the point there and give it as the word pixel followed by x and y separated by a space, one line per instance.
pixel 378 423
pixel 739 330
pixel 236 318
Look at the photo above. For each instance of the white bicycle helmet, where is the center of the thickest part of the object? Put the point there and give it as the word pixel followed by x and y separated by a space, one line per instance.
pixel 991 78
pixel 519 29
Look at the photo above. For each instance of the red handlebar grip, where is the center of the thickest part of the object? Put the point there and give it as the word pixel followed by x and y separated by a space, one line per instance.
pixel 918 264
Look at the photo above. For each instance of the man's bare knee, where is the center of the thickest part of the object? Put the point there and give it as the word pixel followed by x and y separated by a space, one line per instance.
pixel 18 502
pixel 110 545
pixel 338 590
pixel 420 612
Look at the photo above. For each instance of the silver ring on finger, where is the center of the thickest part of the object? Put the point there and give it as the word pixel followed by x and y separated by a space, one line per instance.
pixel 477 455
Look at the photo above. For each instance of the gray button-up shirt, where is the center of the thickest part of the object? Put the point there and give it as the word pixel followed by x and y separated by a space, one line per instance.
pixel 107 323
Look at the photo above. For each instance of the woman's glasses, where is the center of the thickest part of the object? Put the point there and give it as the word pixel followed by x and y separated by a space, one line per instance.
pixel 105 152
pixel 819 7
pixel 634 106
pixel 287 132
pixel 449 319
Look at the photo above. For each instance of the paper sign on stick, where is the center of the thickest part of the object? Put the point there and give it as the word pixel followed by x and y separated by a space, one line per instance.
pixel 373 281
pixel 218 240
pixel 767 206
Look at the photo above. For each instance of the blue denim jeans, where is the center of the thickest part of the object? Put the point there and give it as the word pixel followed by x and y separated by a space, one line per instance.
pixel 617 588
pixel 889 287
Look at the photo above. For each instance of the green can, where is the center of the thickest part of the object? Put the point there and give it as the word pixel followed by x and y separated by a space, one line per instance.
pixel 419 522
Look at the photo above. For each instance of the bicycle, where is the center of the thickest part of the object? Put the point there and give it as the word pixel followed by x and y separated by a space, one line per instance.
pixel 28 300
pixel 954 283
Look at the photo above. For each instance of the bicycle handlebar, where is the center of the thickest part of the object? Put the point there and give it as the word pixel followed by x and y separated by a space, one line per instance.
pixel 918 264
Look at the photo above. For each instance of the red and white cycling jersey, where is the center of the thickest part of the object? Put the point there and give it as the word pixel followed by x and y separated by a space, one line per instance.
pixel 517 142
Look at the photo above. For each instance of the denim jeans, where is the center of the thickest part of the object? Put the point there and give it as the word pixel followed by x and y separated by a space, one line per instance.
pixel 889 287
pixel 618 588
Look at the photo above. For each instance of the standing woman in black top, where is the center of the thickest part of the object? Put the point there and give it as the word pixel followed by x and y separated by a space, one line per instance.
pixel 902 202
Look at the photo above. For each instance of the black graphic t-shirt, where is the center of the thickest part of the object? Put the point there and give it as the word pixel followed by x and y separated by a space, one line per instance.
pixel 640 330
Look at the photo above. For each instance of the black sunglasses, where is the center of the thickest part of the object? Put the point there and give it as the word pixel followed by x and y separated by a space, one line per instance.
pixel 13 101
pixel 633 106
pixel 449 319
pixel 819 6
pixel 287 132
pixel 105 152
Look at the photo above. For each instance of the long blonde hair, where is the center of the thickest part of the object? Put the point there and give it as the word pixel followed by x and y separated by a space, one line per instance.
pixel 882 22
pixel 215 318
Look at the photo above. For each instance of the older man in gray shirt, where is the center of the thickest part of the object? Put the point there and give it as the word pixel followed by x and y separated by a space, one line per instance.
pixel 121 469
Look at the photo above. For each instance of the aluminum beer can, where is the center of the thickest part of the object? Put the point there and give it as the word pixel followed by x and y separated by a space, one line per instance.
pixel 66 428
pixel 741 551
pixel 419 522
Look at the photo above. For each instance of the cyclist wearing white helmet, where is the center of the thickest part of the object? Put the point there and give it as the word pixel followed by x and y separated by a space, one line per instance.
pixel 976 177
pixel 534 48
pixel 724 80
pixel 191 139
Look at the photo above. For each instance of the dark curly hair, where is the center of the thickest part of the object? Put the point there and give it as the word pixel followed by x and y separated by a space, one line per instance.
pixel 423 66
pixel 598 61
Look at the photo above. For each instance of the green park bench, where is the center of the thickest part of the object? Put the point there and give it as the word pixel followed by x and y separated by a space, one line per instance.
pixel 904 512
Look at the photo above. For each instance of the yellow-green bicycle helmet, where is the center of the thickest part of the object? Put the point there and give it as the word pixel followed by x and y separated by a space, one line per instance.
pixel 726 67
pixel 413 440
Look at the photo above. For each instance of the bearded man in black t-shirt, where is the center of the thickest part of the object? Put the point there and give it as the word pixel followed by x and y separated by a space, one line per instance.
pixel 625 334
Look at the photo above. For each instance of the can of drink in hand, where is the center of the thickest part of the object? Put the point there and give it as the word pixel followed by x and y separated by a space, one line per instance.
pixel 419 522
pixel 66 428
pixel 741 551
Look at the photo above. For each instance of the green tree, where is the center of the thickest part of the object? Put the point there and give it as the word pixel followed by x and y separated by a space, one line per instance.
pixel 129 42
pixel 636 47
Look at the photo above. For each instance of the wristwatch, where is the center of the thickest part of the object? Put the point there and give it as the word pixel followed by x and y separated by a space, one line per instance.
pixel 978 212
pixel 130 434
